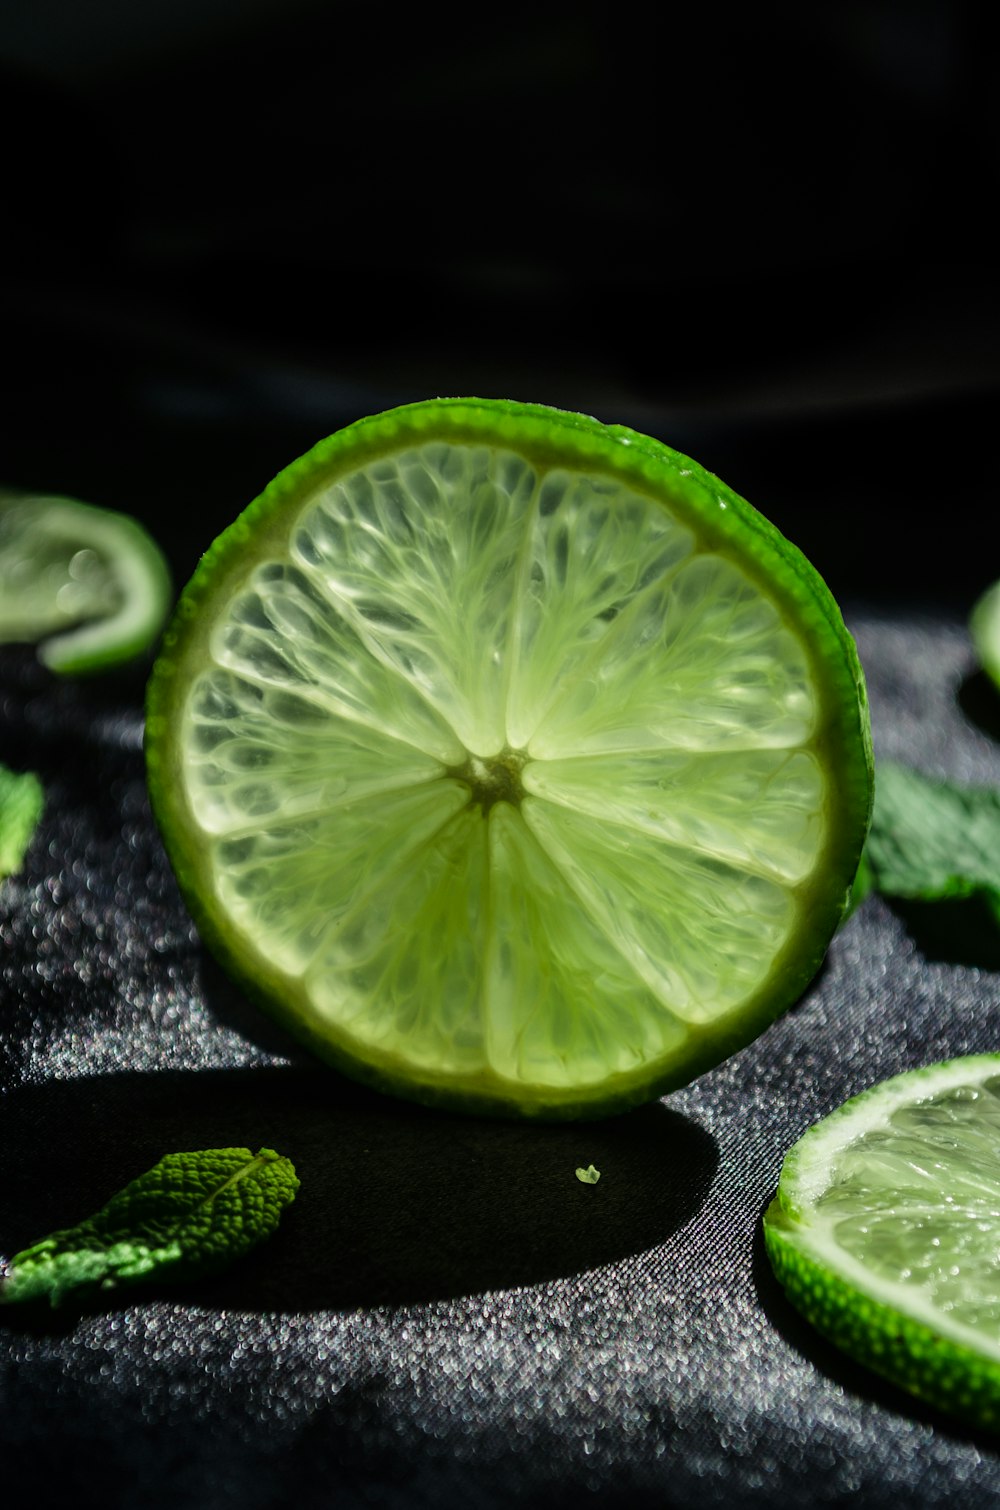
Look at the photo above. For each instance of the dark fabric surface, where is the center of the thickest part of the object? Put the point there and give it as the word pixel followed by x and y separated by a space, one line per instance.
pixel 446 1316
pixel 235 226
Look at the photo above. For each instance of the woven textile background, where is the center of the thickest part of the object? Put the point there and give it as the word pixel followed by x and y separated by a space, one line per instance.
pixel 446 1317
pixel 763 235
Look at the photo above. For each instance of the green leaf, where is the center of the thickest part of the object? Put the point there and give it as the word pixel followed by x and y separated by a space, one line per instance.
pixel 191 1214
pixel 21 800
pixel 934 840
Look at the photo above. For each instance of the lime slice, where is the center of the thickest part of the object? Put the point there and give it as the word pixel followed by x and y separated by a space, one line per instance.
pixel 984 627
pixel 511 759
pixel 885 1232
pixel 89 584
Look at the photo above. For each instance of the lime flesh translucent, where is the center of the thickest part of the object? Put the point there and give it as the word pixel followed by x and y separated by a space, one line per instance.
pixel 509 758
pixel 886 1232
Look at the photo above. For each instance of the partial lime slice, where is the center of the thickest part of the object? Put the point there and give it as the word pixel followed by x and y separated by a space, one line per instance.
pixel 885 1232
pixel 511 759
pixel 88 585
pixel 984 627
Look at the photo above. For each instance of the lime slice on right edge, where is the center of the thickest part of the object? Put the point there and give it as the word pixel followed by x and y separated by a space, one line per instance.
pixel 984 627
pixel 885 1232
pixel 89 586
pixel 512 760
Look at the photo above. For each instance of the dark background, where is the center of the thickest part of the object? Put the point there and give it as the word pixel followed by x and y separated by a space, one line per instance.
pixel 761 233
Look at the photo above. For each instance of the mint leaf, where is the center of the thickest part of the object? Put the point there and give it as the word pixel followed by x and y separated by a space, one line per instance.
pixel 934 840
pixel 21 799
pixel 191 1214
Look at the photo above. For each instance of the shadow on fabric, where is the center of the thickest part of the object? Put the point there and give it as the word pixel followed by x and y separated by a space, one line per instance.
pixel 398 1204
pixel 979 700
pixel 952 932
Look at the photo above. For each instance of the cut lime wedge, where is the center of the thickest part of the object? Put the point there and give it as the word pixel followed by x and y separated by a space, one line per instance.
pixel 885 1232
pixel 88 585
pixel 511 759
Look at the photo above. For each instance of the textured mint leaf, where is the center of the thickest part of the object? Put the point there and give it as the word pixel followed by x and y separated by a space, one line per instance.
pixel 21 799
pixel 191 1214
pixel 934 840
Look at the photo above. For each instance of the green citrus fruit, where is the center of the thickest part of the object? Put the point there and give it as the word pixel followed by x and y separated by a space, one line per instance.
pixel 511 759
pixel 89 586
pixel 984 626
pixel 885 1232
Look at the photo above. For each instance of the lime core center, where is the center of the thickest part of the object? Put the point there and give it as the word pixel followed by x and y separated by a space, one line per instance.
pixel 494 779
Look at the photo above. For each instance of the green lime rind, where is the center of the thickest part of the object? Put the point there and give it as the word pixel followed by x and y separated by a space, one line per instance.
pixel 896 1332
pixel 82 621
pixel 984 627
pixel 725 525
pixel 938 1369
pixel 933 840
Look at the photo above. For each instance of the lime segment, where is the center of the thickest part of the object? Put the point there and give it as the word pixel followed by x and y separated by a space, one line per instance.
pixel 759 809
pixel 886 1228
pixel 513 761
pixel 701 661
pixel 584 1018
pixel 426 587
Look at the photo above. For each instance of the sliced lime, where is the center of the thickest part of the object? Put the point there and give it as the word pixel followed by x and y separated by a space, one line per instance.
pixel 984 627
pixel 88 585
pixel 512 760
pixel 885 1232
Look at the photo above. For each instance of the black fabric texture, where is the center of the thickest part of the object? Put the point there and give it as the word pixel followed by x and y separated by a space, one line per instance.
pixel 762 234
pixel 446 1316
